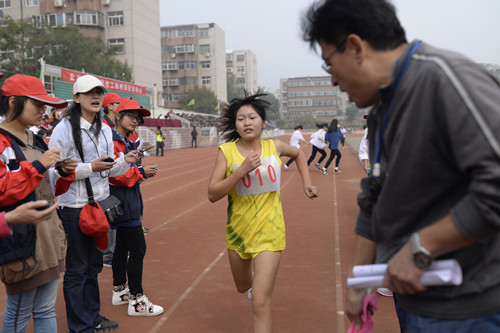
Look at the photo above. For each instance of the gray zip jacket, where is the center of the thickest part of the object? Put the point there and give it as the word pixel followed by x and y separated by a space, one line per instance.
pixel 441 156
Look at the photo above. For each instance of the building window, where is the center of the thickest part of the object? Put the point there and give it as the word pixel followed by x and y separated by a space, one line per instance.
pixel 206 80
pixel 202 33
pixel 56 20
pixel 240 69
pixel 183 48
pixel 229 57
pixel 115 18
pixel 118 44
pixel 89 18
pixel 229 69
pixel 169 66
pixel 205 64
pixel 190 64
pixel 5 3
pixel 205 49
pixel 31 3
pixel 240 80
pixel 240 57
pixel 170 82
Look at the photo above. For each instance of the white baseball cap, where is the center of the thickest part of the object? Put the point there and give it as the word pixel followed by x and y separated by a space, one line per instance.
pixel 86 83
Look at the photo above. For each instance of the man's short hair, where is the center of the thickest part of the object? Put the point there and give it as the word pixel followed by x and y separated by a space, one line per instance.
pixel 374 21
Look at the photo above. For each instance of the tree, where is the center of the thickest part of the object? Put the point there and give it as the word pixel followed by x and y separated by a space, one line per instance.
pixel 233 91
pixel 351 113
pixel 23 44
pixel 204 100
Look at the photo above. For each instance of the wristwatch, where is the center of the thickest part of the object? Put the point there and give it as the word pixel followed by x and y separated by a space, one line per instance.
pixel 421 256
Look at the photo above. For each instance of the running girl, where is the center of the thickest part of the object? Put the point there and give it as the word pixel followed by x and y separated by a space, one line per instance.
pixel 248 170
pixel 295 141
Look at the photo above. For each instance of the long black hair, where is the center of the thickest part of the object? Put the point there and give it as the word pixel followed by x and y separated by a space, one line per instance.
pixel 333 126
pixel 321 125
pixel 74 113
pixel 228 116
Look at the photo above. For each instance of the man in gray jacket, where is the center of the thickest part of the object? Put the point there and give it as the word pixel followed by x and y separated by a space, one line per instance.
pixel 434 189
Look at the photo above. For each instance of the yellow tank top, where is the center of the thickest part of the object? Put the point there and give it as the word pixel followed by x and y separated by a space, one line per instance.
pixel 254 214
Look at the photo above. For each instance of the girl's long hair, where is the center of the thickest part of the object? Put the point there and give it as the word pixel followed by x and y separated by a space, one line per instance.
pixel 74 113
pixel 19 103
pixel 333 126
pixel 321 125
pixel 228 116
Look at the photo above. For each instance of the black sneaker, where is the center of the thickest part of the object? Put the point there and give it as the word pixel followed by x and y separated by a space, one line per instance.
pixel 106 325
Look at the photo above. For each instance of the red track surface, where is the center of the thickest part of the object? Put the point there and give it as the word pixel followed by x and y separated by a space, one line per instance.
pixel 186 269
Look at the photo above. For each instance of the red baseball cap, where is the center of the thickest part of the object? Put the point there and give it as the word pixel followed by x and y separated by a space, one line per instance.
pixel 93 223
pixel 1 75
pixel 111 98
pixel 131 105
pixel 32 87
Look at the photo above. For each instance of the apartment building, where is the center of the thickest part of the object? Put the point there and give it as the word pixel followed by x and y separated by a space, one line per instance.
pixel 311 95
pixel 241 67
pixel 193 55
pixel 133 26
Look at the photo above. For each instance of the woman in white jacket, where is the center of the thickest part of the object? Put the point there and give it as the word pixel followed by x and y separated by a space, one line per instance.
pixel 295 141
pixel 319 144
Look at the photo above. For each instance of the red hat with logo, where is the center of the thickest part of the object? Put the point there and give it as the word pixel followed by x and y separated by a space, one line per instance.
pixel 111 98
pixel 32 87
pixel 131 105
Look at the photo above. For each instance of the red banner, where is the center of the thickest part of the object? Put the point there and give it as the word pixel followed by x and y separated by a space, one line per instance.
pixel 72 76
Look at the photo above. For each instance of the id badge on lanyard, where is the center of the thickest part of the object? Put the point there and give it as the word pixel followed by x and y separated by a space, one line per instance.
pixel 266 178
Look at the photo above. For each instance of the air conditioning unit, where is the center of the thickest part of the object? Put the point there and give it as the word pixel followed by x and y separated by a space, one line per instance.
pixel 106 2
pixel 58 3
pixel 172 55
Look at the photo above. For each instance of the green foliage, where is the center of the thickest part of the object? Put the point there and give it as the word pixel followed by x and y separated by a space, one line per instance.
pixel 233 91
pixel 205 100
pixel 352 113
pixel 23 43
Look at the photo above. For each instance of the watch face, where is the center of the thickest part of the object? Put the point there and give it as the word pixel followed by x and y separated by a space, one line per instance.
pixel 422 260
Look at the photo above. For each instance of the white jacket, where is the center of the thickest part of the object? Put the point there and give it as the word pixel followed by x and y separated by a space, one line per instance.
pixel 317 139
pixel 93 148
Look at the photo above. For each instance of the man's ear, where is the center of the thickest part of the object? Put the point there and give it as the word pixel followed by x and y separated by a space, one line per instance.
pixel 263 125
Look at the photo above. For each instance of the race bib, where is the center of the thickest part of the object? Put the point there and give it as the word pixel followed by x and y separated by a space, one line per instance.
pixel 266 178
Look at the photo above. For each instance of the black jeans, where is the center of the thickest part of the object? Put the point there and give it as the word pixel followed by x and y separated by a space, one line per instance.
pixel 129 239
pixel 313 155
pixel 334 152
pixel 159 145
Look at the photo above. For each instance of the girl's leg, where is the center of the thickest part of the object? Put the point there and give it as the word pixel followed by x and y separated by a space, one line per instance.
pixel 323 155
pixel 44 311
pixel 137 244
pixel 330 159
pixel 290 161
pixel 119 265
pixel 266 268
pixel 339 156
pixel 313 155
pixel 24 314
pixel 242 271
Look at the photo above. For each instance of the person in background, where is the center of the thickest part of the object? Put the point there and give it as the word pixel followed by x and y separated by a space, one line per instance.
pixel 248 170
pixel 32 258
pixel 129 234
pixel 160 138
pixel 295 141
pixel 194 136
pixel 82 135
pixel 333 136
pixel 363 150
pixel 109 104
pixel 433 193
pixel 343 130
pixel 319 144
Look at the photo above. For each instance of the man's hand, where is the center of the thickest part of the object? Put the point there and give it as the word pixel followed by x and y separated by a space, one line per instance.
pixel 29 214
pixel 150 170
pixel 402 275
pixel 354 305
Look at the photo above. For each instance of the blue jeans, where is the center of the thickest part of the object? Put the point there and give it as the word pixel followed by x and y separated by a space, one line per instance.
pixel 40 301
pixel 80 286
pixel 108 253
pixel 414 323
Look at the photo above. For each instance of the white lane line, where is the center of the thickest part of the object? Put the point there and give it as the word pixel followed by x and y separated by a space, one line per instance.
pixel 176 189
pixel 338 268
pixel 185 295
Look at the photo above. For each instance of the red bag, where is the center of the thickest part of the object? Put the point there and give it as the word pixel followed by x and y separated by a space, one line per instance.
pixel 93 223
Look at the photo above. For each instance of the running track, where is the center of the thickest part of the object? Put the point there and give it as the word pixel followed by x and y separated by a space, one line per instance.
pixel 186 269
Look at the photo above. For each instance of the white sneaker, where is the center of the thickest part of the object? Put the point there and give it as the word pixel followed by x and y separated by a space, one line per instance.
pixel 286 166
pixel 250 293
pixel 141 306
pixel 337 170
pixel 120 295
pixel 324 171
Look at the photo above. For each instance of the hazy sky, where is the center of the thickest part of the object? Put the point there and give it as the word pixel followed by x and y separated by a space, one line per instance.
pixel 271 29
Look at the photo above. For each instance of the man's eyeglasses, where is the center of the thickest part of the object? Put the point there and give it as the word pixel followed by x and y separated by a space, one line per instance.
pixel 325 66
